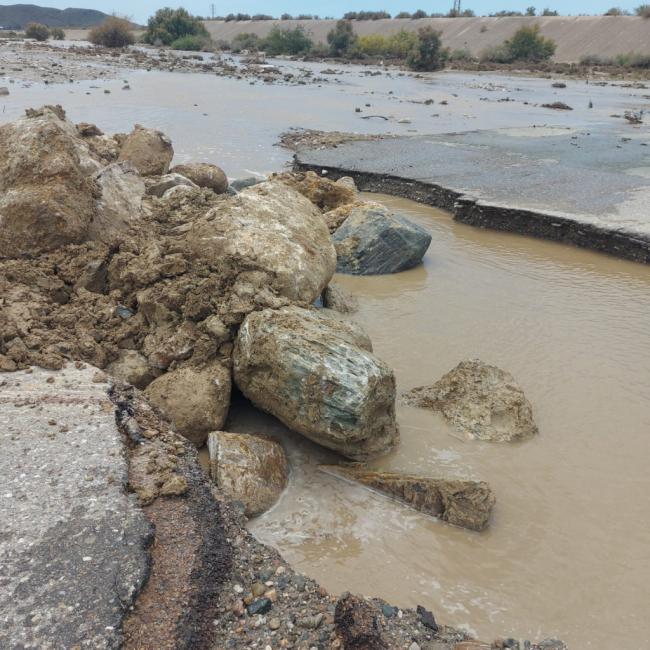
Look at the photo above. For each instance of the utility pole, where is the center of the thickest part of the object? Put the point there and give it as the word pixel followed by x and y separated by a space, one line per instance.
pixel 212 9
pixel 456 10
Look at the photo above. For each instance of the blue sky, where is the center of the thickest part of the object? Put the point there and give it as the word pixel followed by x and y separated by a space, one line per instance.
pixel 139 10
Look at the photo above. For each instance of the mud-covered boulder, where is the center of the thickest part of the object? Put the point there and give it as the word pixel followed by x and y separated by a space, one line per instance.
pixel 119 203
pixel 195 400
pixel 158 186
pixel 322 192
pixel 310 371
pixel 149 151
pixel 273 230
pixel 375 241
pixel 47 189
pixel 204 175
pixel 481 401
pixel 248 468
pixel 460 502
pixel 336 298
pixel 131 367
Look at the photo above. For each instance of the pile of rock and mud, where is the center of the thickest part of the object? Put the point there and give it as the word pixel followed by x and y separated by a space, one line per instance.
pixel 176 287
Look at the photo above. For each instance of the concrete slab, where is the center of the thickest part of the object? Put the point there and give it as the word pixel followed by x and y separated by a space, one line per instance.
pixel 73 543
pixel 594 179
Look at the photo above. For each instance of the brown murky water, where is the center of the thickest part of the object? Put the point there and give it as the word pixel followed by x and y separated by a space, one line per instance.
pixel 568 551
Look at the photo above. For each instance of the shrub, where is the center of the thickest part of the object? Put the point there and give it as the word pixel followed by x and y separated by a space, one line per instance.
pixel 615 11
pixel 37 31
pixel 463 55
pixel 168 25
pixel 262 17
pixel 58 34
pixel 528 44
pixel 192 44
pixel 643 11
pixel 342 38
pixel 403 14
pixel 113 32
pixel 428 54
pixel 245 41
pixel 420 13
pixel 286 17
pixel 372 44
pixel 497 54
pixel 287 41
pixel 401 44
pixel 633 60
pixel 550 12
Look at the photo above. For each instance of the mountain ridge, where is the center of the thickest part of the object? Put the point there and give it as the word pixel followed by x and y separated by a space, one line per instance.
pixel 17 16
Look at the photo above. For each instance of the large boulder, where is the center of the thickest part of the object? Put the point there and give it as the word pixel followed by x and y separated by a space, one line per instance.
pixel 47 190
pixel 374 241
pixel 481 401
pixel 272 229
pixel 131 367
pixel 460 502
pixel 311 371
pixel 195 400
pixel 120 203
pixel 149 151
pixel 250 469
pixel 204 175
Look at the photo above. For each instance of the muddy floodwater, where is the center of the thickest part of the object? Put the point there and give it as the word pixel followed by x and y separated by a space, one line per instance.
pixel 568 550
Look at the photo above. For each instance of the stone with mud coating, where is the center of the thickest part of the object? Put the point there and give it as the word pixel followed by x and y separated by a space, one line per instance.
pixel 204 175
pixel 310 370
pixel 358 623
pixel 195 400
pixel 120 203
pixel 374 241
pixel 272 229
pixel 459 502
pixel 159 186
pixel 481 401
pixel 131 367
pixel 248 468
pixel 149 151
pixel 337 298
pixel 322 192
pixel 47 190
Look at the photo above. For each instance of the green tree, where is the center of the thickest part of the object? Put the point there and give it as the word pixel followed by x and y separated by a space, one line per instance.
pixel 168 25
pixel 342 38
pixel 643 11
pixel 531 11
pixel 287 41
pixel 428 54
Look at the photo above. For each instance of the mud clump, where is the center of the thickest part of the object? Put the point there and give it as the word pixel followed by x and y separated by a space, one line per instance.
pixel 93 269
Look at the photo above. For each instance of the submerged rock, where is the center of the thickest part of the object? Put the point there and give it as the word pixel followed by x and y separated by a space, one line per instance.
pixel 149 151
pixel 204 175
pixel 310 370
pixel 269 229
pixel 248 468
pixel 374 241
pixel 463 503
pixel 195 400
pixel 481 401
pixel 47 192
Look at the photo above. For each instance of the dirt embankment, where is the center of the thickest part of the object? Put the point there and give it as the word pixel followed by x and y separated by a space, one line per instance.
pixel 576 36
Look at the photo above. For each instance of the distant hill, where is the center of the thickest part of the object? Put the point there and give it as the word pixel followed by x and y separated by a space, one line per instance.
pixel 17 16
